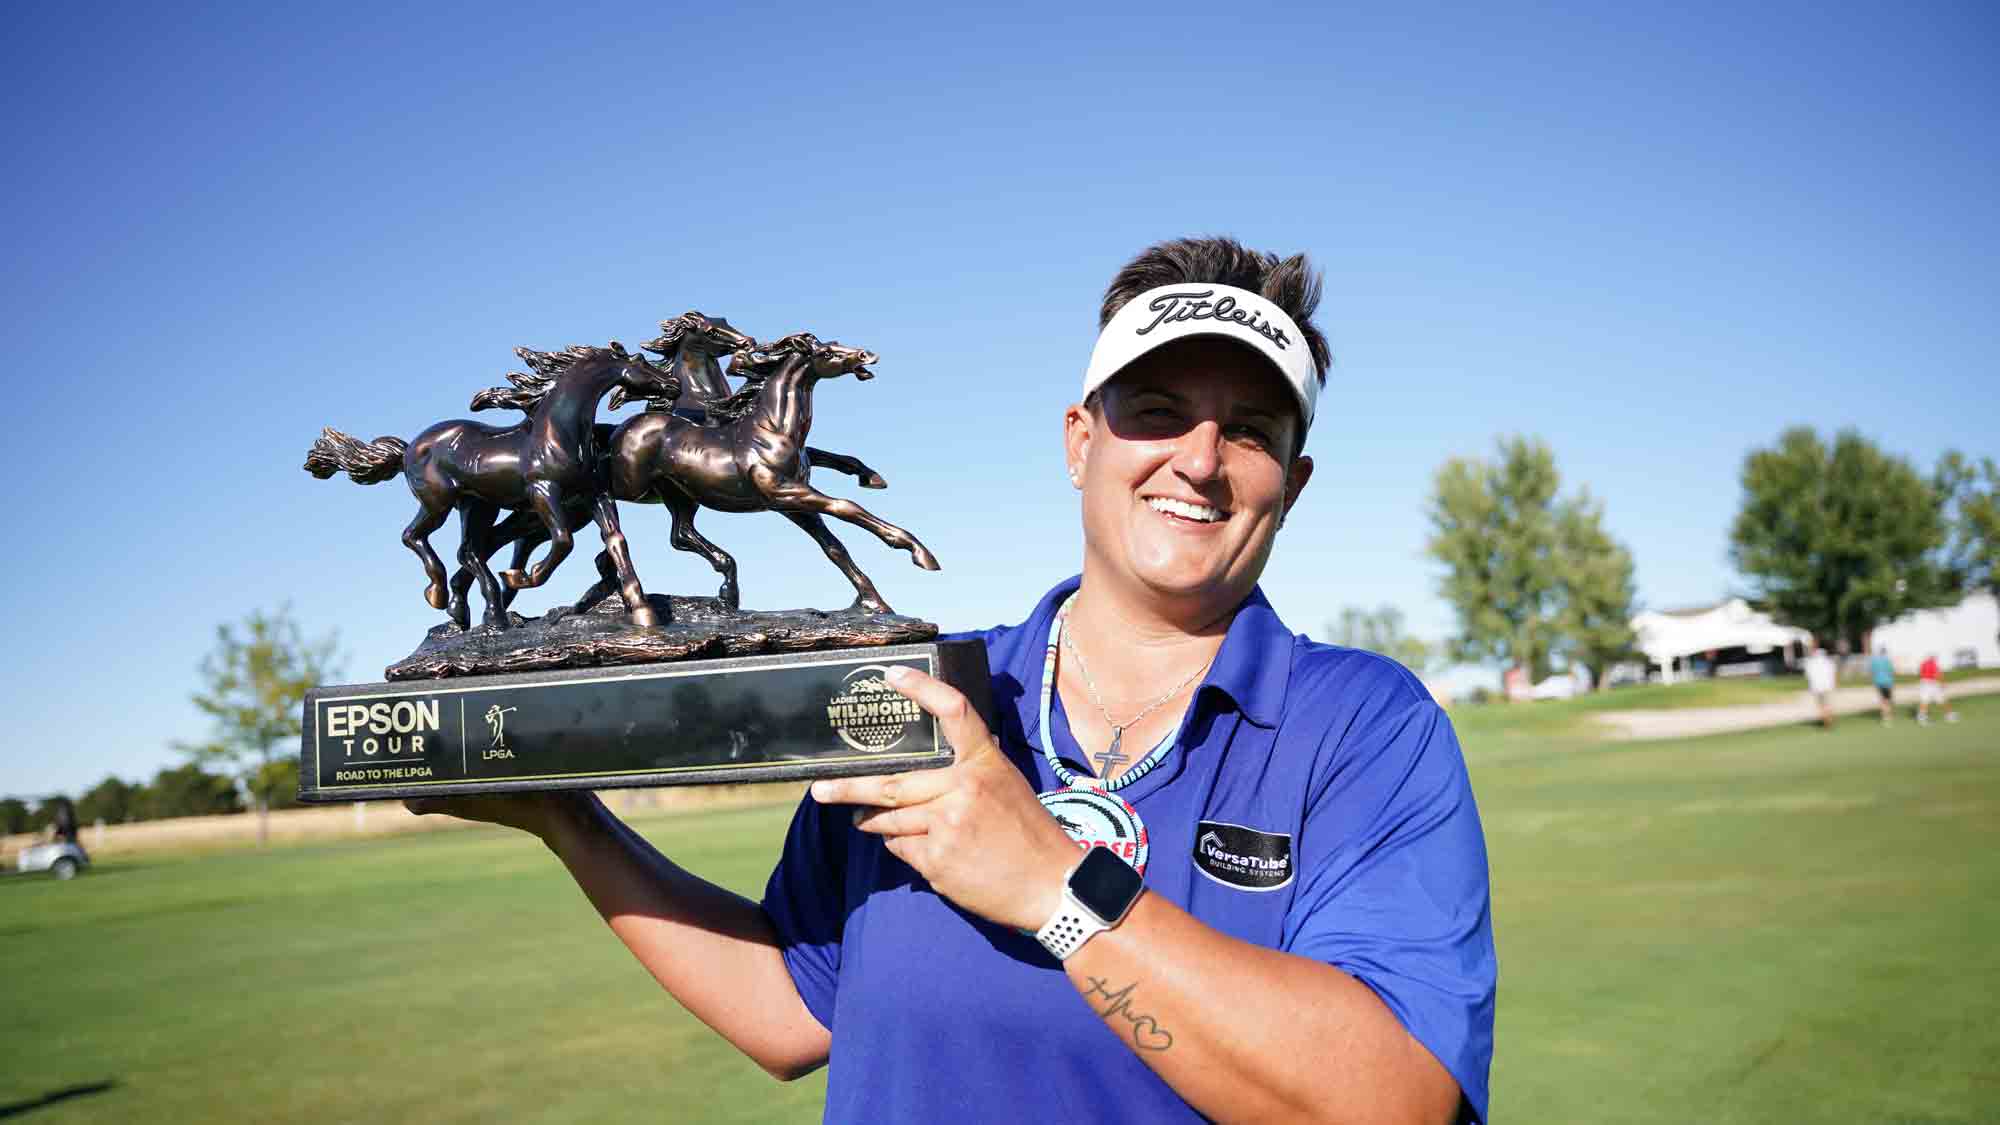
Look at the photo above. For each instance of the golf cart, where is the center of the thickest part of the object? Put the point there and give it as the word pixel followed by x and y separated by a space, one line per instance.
pixel 59 854
pixel 63 859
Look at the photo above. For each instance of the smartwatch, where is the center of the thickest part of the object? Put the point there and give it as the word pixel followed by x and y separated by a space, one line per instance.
pixel 1097 893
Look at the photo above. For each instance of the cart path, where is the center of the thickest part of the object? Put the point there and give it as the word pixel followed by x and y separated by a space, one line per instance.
pixel 1695 721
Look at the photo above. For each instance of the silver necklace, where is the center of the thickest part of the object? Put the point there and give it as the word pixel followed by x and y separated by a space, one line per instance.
pixel 1111 756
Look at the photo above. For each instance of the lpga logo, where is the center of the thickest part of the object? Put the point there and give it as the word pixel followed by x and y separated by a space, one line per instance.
pixel 496 720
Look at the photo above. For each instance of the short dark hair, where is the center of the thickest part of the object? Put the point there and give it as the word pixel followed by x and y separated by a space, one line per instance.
pixel 1289 283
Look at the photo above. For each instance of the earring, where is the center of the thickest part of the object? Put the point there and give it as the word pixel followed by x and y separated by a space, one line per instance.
pixel 1074 480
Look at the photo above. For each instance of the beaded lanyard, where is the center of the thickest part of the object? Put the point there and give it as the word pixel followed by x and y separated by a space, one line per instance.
pixel 1069 776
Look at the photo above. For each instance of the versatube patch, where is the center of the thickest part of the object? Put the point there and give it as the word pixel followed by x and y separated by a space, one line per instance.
pixel 1241 857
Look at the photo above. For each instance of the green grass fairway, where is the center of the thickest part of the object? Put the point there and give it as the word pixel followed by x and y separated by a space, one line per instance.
pixel 1787 925
pixel 1784 926
pixel 455 976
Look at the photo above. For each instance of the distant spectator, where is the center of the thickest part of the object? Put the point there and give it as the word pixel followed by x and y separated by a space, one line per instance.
pixel 1820 681
pixel 1930 689
pixel 62 820
pixel 1884 675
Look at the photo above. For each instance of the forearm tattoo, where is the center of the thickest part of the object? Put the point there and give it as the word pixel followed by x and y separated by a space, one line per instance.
pixel 1147 1034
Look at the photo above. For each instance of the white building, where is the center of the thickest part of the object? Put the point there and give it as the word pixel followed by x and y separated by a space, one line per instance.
pixel 1966 635
pixel 1731 638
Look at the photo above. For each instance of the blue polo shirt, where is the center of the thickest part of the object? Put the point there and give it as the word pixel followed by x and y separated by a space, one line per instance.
pixel 1333 758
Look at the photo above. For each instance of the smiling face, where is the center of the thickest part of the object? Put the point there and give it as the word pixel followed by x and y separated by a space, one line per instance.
pixel 1186 472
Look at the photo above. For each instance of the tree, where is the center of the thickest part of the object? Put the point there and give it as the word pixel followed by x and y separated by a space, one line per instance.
pixel 13 815
pixel 1531 576
pixel 1839 539
pixel 1974 495
pixel 1599 590
pixel 1380 630
pixel 110 800
pixel 255 682
pixel 280 779
pixel 185 790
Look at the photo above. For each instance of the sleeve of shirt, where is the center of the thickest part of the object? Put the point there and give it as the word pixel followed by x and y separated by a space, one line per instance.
pixel 1394 888
pixel 806 905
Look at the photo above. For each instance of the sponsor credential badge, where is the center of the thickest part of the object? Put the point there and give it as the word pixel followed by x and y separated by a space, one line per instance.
pixel 1092 816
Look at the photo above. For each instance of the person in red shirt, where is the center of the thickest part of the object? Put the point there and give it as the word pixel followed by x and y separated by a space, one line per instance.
pixel 1930 689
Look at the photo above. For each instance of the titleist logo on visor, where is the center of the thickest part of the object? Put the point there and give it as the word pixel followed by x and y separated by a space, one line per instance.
pixel 1176 307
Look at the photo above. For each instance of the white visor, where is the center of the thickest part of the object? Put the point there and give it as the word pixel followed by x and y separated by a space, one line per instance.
pixel 1174 312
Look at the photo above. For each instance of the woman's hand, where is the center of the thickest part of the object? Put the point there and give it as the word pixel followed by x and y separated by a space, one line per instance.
pixel 973 829
pixel 538 814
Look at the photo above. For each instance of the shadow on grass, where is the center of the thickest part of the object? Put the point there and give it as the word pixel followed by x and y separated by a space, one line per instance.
pixel 15 1109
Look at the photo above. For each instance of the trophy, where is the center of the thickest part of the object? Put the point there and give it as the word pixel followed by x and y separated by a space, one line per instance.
pixel 637 689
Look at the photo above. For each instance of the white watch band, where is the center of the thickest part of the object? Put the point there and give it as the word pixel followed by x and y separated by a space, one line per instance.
pixel 1068 928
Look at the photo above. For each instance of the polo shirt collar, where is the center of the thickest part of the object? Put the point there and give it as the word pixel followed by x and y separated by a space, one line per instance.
pixel 1253 668
pixel 1029 656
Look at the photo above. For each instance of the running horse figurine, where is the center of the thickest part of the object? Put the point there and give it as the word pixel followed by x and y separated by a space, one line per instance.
pixel 545 465
pixel 746 454
pixel 751 456
pixel 691 345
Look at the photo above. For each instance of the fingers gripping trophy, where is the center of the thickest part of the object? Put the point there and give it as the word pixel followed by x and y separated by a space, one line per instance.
pixel 622 687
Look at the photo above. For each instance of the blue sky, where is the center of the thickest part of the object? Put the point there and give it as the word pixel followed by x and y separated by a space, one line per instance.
pixel 1653 238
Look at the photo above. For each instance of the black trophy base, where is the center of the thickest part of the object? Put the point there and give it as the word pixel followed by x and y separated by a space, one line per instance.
pixel 693 722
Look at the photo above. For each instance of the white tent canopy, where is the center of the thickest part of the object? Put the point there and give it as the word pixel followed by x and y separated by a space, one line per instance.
pixel 1669 636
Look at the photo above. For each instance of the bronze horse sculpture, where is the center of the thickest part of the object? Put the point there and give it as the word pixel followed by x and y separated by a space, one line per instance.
pixel 751 456
pixel 747 454
pixel 692 344
pixel 688 346
pixel 546 465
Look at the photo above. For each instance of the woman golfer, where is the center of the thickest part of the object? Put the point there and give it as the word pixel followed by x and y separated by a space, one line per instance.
pixel 1204 868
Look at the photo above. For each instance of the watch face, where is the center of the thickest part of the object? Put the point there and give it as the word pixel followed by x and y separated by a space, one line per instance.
pixel 1105 884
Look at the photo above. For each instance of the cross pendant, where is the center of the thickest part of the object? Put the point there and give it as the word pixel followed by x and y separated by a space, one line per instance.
pixel 1110 757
